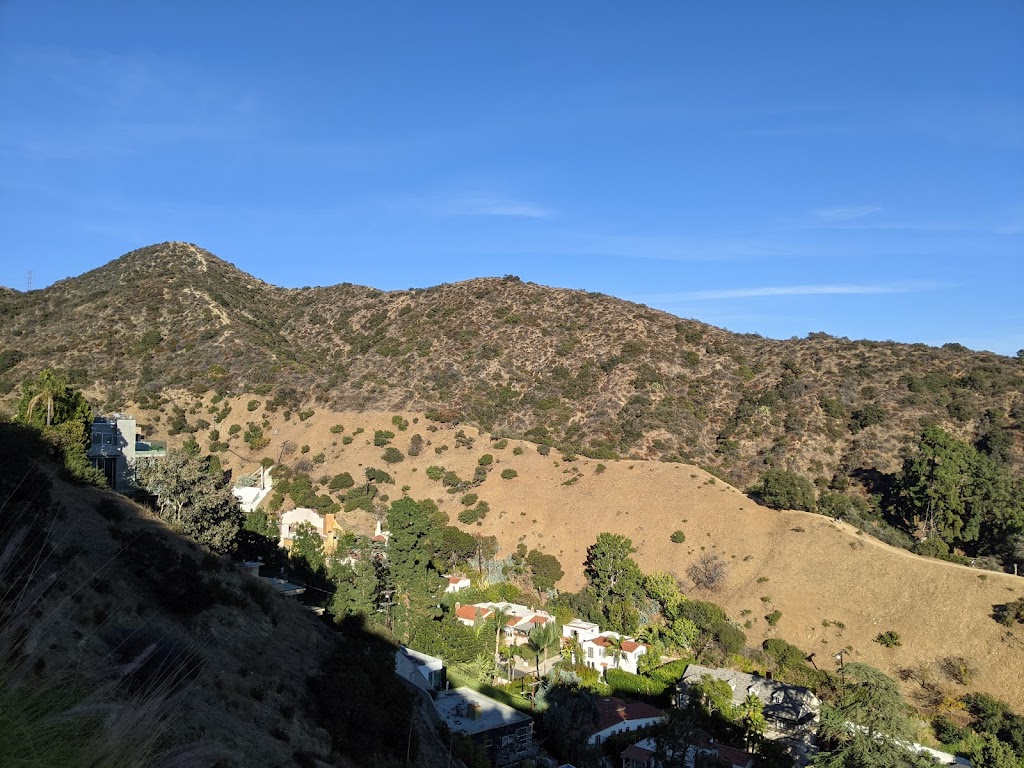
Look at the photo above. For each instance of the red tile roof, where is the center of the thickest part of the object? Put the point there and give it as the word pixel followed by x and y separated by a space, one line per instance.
pixel 636 752
pixel 455 579
pixel 734 756
pixel 472 613
pixel 611 711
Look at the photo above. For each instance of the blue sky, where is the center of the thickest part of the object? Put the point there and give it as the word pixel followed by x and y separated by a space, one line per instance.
pixel 781 168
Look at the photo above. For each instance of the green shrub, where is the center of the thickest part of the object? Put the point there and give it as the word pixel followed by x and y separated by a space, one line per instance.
pixel 377 475
pixel 382 437
pixel 337 429
pixel 347 440
pixel 435 472
pixel 304 449
pixel 485 460
pixel 392 455
pixel 889 639
pixel 468 516
pixel 678 537
pixel 341 482
pixel 469 499
pixel 508 474
pixel 773 617
pixel 780 489
pixel 400 423
pixel 252 405
pixel 303 415
pixel 599 469
pixel 517 451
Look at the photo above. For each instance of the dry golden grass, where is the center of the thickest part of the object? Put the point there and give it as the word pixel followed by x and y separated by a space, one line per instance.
pixel 817 570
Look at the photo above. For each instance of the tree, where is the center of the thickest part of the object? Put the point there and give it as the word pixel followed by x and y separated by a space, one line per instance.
pixel 615 646
pixel 500 618
pixel 871 701
pixel 356 586
pixel 541 639
pixel 308 546
pixel 990 752
pixel 192 500
pixel 615 580
pixel 932 483
pixel 50 404
pixel 708 572
pixel 545 571
pixel 50 400
pixel 780 489
pixel 752 718
pixel 415 528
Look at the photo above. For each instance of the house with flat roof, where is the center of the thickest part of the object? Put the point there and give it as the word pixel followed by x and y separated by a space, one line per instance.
pixel 505 733
pixel 116 447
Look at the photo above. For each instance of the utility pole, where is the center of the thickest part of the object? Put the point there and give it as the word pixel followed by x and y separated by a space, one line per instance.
pixel 842 669
pixel 28 280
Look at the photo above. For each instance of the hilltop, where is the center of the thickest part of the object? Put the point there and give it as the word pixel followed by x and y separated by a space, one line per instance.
pixel 582 371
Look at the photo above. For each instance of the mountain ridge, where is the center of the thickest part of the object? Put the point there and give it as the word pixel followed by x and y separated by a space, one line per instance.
pixel 583 371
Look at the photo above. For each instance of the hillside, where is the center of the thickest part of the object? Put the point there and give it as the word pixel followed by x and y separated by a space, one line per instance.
pixel 583 371
pixel 836 589
pixel 123 644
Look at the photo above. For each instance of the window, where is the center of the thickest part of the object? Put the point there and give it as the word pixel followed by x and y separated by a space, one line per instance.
pixel 590 653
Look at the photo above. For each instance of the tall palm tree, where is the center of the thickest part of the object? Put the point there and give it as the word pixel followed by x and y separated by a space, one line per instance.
pixel 51 387
pixel 615 644
pixel 500 617
pixel 752 717
pixel 541 638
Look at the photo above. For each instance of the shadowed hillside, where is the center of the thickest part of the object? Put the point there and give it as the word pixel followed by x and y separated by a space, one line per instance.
pixel 583 371
pixel 123 644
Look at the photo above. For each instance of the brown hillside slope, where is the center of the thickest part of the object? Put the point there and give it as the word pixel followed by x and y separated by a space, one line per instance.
pixel 123 644
pixel 817 570
pixel 551 365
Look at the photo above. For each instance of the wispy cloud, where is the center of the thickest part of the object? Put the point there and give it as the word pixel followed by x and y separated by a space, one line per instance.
pixel 827 289
pixel 846 212
pixel 482 205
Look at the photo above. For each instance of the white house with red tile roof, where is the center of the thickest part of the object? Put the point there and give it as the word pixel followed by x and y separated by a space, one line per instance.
pixel 472 615
pixel 599 652
pixel 455 583
pixel 520 618
pixel 619 716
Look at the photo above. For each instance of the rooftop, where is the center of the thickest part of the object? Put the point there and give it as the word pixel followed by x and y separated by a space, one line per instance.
pixel 455 708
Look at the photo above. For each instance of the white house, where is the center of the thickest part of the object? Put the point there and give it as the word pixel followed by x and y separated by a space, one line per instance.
pixel 602 652
pixel 455 583
pixel 253 488
pixel 423 671
pixel 517 628
pixel 619 716
pixel 581 630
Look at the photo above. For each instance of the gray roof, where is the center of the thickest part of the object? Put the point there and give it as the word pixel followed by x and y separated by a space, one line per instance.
pixel 781 701
pixel 454 707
